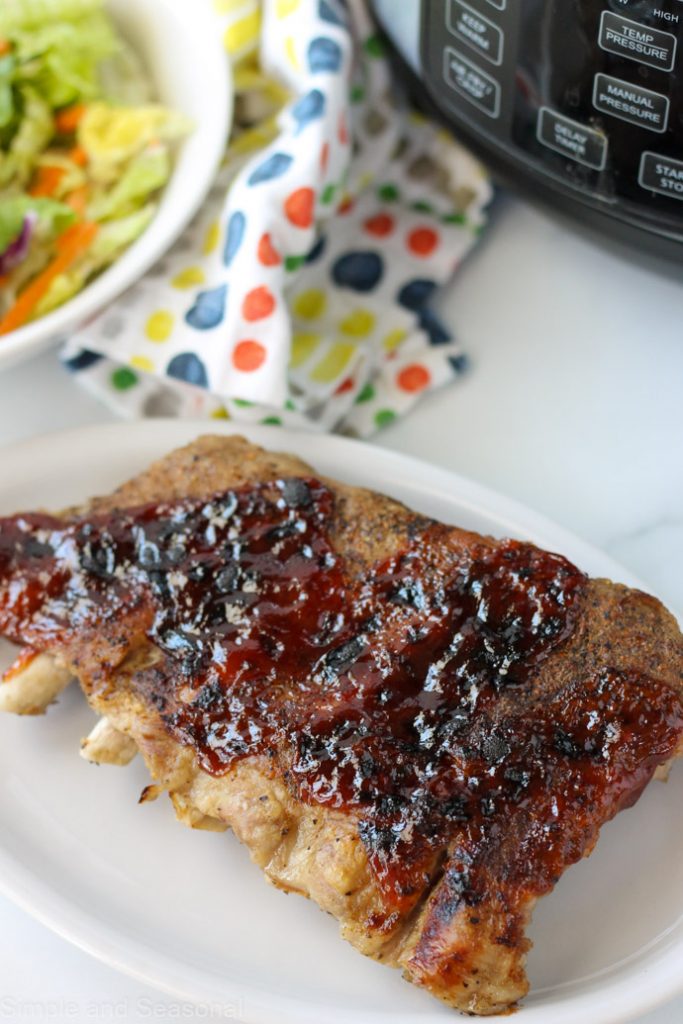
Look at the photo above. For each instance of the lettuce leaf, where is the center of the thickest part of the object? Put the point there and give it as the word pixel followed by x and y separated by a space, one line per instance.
pixel 112 135
pixel 53 217
pixel 7 104
pixel 28 14
pixel 144 175
pixel 61 58
pixel 32 136
pixel 111 240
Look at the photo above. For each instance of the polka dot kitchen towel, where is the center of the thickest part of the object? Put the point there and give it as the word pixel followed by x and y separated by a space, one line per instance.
pixel 301 294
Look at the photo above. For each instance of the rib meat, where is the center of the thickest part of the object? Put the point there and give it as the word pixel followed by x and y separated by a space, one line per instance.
pixel 418 727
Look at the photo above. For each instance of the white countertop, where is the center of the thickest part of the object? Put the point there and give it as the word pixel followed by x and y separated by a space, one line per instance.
pixel 573 405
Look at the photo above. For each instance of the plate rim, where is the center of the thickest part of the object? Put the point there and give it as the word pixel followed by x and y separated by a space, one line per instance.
pixel 653 978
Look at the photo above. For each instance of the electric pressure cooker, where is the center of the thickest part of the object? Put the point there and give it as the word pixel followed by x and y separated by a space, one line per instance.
pixel 581 101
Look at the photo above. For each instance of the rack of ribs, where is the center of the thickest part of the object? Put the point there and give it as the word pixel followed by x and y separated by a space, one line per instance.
pixel 417 727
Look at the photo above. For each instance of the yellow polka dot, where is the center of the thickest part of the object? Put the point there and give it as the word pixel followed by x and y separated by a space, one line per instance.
pixel 310 304
pixel 211 238
pixel 393 340
pixel 365 180
pixel 189 277
pixel 254 138
pixel 285 7
pixel 333 362
pixel 142 363
pixel 220 414
pixel 227 6
pixel 159 325
pixel 303 346
pixel 291 54
pixel 359 323
pixel 243 33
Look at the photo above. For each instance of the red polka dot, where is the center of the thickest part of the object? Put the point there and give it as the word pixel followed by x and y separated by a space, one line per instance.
pixel 248 355
pixel 258 303
pixel 423 241
pixel 325 156
pixel 299 207
pixel 267 253
pixel 414 377
pixel 346 385
pixel 381 225
pixel 342 130
pixel 346 205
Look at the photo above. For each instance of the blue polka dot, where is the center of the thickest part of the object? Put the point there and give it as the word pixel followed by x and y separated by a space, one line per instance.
pixel 82 361
pixel 273 167
pixel 328 12
pixel 324 55
pixel 429 322
pixel 415 293
pixel 358 270
pixel 208 310
pixel 459 363
pixel 317 250
pixel 234 236
pixel 309 108
pixel 188 367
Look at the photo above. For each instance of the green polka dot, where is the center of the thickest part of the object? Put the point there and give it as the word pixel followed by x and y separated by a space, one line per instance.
pixel 294 262
pixel 242 403
pixel 328 194
pixel 422 207
pixel 289 404
pixel 384 417
pixel 366 394
pixel 389 193
pixel 454 218
pixel 374 46
pixel 271 421
pixel 357 94
pixel 124 378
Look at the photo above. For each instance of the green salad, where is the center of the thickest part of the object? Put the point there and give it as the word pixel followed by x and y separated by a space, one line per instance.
pixel 83 152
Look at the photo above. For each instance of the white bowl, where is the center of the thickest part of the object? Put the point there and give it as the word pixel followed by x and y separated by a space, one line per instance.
pixel 181 48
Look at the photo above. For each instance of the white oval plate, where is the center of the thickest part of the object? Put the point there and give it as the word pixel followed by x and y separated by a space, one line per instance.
pixel 187 912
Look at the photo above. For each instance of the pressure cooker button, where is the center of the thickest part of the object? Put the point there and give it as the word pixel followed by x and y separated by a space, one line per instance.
pixel 661 174
pixel 631 103
pixel 574 140
pixel 476 30
pixel 637 42
pixel 471 82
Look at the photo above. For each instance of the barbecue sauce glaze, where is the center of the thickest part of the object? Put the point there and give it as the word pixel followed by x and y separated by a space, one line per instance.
pixel 404 695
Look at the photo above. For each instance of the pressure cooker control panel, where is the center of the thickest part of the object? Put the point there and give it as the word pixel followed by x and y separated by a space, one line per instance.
pixel 588 92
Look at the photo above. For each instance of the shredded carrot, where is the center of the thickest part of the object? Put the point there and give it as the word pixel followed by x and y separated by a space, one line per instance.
pixel 70 245
pixel 78 200
pixel 67 120
pixel 46 181
pixel 78 155
pixel 5 47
